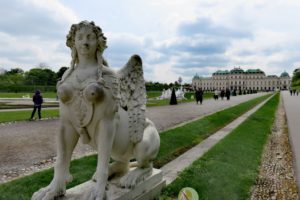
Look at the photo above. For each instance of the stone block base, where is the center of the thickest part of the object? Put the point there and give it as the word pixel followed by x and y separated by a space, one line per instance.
pixel 146 190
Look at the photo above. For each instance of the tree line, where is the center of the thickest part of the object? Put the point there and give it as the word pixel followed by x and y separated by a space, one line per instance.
pixel 43 78
pixel 17 80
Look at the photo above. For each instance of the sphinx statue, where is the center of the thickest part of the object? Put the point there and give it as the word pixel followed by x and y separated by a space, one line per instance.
pixel 105 109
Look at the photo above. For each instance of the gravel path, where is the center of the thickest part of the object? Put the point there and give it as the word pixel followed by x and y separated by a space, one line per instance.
pixel 276 178
pixel 26 147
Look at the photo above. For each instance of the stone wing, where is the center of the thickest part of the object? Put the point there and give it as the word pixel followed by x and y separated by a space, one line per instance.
pixel 133 96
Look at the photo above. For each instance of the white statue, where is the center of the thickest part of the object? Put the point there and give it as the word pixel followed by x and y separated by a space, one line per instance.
pixel 166 94
pixel 180 93
pixel 106 109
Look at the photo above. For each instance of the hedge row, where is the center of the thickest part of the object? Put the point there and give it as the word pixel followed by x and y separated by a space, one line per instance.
pixel 26 88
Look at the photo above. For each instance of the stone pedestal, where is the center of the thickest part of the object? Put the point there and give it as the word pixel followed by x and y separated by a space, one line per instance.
pixel 146 190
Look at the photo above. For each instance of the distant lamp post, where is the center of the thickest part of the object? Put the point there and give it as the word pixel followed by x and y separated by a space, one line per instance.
pixel 180 81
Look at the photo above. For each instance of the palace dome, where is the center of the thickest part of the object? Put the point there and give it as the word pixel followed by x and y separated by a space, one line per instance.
pixel 237 71
pixel 284 74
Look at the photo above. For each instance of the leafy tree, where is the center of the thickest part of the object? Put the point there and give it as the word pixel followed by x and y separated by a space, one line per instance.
pixel 15 71
pixel 14 76
pixel 38 76
pixel 296 78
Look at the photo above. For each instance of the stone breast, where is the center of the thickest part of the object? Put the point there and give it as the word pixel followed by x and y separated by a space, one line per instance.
pixel 79 103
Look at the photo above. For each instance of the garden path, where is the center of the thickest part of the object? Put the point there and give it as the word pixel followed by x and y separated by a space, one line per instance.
pixel 26 147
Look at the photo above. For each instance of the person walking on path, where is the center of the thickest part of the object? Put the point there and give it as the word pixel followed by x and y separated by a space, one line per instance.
pixel 227 93
pixel 216 94
pixel 222 93
pixel 199 95
pixel 38 101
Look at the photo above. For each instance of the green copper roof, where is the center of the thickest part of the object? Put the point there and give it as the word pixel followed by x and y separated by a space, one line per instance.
pixel 284 74
pixel 250 71
pixel 221 72
pixel 236 71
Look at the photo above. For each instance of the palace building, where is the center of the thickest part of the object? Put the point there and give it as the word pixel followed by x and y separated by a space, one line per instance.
pixel 238 79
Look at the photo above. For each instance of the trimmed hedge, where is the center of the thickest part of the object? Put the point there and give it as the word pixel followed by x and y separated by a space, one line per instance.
pixel 27 88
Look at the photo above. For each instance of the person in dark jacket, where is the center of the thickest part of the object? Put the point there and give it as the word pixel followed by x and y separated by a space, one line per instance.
pixel 222 93
pixel 199 95
pixel 227 94
pixel 38 101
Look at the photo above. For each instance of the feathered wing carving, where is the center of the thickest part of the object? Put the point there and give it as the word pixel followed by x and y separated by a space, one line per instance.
pixel 133 96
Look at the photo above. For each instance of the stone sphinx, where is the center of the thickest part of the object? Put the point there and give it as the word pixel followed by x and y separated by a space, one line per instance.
pixel 105 109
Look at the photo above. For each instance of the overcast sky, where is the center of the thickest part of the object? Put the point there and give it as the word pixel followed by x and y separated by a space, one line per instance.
pixel 173 37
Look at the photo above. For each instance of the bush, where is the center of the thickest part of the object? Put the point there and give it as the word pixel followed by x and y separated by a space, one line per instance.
pixel 26 88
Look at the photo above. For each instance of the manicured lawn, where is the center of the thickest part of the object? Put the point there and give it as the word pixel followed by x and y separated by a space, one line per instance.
pixel 21 94
pixel 153 94
pixel 163 102
pixel 176 141
pixel 173 143
pixel 25 115
pixel 230 168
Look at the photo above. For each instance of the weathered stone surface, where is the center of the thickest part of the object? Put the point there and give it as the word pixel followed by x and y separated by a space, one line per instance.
pixel 105 109
pixel 148 189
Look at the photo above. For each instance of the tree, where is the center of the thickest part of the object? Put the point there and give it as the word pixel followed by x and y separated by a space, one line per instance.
pixel 14 76
pixel 38 76
pixel 296 78
pixel 15 71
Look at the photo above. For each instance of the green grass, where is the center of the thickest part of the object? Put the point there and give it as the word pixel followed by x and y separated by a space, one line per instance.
pixel 163 102
pixel 173 143
pixel 25 115
pixel 153 94
pixel 23 188
pixel 230 168
pixel 176 141
pixel 21 94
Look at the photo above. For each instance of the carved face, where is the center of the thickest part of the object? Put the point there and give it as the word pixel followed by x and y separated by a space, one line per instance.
pixel 86 42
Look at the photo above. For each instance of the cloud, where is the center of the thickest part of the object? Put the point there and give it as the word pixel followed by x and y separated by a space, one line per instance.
pixel 198 37
pixel 195 45
pixel 121 47
pixel 35 18
pixel 207 27
pixel 32 32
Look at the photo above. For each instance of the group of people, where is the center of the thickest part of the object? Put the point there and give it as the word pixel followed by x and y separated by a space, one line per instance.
pixel 294 92
pixel 223 93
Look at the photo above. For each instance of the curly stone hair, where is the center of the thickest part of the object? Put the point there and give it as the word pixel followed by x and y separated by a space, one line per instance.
pixel 70 42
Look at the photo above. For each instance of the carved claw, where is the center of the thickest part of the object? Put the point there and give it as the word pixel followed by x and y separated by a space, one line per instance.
pixel 96 194
pixel 134 177
pixel 49 193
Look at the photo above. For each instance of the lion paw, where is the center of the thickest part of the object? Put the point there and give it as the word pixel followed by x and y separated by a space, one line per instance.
pixel 48 193
pixel 96 194
pixel 134 177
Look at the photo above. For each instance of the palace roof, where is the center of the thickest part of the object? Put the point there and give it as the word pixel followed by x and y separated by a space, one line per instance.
pixel 284 74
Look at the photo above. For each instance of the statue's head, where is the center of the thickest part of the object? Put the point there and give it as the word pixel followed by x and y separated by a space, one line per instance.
pixel 85 24
pixel 101 39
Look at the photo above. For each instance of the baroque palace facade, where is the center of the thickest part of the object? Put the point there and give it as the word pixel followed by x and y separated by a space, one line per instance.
pixel 238 79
